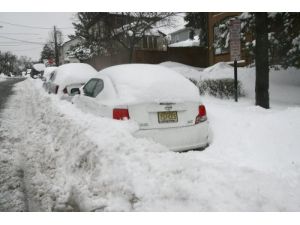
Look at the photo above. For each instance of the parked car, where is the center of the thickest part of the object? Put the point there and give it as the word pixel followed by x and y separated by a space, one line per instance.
pixel 66 79
pixel 165 105
pixel 46 76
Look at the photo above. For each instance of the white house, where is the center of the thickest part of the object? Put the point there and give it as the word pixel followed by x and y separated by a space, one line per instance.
pixel 64 58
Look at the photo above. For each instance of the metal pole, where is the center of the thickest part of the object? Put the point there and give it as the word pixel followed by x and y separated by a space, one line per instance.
pixel 235 81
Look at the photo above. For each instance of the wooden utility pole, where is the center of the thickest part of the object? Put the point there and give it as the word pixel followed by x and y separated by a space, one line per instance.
pixel 56 48
pixel 262 60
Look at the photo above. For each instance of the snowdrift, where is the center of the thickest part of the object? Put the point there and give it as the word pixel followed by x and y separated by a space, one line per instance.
pixel 76 161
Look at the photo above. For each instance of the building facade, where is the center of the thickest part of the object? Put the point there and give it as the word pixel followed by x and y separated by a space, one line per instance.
pixel 63 56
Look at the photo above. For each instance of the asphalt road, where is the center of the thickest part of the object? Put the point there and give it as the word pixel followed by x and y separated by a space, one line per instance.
pixel 6 90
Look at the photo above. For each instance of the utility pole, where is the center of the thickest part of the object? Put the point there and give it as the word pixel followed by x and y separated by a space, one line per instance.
pixel 56 47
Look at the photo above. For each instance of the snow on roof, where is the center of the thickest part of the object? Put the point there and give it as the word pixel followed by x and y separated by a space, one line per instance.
pixel 177 23
pixel 137 83
pixel 72 73
pixel 187 43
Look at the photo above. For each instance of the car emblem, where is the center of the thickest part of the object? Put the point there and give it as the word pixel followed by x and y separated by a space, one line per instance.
pixel 169 107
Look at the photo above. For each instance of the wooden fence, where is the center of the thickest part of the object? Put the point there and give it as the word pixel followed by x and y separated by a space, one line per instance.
pixel 193 56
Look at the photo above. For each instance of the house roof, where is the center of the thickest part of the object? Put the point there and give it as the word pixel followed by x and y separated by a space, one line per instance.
pixel 180 30
pixel 66 42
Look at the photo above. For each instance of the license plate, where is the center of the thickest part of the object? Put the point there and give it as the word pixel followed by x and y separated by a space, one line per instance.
pixel 167 117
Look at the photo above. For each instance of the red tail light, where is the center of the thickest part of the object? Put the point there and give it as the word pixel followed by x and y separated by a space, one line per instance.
pixel 201 117
pixel 56 89
pixel 120 114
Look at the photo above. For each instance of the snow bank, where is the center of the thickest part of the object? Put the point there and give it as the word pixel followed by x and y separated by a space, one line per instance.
pixel 217 67
pixel 284 84
pixel 76 161
pixel 72 73
pixel 3 77
pixel 150 83
pixel 185 70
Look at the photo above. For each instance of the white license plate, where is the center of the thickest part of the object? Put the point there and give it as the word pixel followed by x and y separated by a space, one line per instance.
pixel 167 117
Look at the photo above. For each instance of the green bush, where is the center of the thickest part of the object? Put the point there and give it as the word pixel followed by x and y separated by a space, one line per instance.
pixel 221 88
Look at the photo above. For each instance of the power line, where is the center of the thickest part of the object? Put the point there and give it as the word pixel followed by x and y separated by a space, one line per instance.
pixel 21 33
pixel 30 42
pixel 28 49
pixel 32 27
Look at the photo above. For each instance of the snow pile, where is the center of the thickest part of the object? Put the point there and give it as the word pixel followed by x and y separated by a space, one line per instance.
pixel 3 76
pixel 150 83
pixel 73 73
pixel 284 84
pixel 187 43
pixel 217 67
pixel 76 161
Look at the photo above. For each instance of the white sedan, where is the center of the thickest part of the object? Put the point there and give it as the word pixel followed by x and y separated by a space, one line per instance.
pixel 165 105
pixel 66 79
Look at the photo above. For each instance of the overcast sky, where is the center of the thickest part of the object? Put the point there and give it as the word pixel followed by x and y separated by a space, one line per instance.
pixel 39 26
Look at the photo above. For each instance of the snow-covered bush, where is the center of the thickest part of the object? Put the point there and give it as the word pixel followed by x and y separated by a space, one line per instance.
pixel 221 88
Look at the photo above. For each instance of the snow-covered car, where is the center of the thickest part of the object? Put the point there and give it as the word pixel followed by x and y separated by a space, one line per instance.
pixel 66 79
pixel 164 104
pixel 47 73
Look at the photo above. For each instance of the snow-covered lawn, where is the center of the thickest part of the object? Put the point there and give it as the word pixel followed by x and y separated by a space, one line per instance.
pixel 76 161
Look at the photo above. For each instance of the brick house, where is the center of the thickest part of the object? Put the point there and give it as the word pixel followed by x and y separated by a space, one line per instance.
pixel 218 54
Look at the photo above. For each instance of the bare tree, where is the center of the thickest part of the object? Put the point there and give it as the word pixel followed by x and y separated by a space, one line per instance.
pixel 130 34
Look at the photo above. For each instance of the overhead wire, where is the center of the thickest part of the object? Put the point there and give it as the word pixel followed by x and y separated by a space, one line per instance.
pixel 14 39
pixel 32 27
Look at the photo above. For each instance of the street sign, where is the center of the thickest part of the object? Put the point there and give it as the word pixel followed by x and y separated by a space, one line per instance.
pixel 235 39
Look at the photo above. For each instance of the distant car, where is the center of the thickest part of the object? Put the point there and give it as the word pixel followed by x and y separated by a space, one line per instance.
pixel 165 105
pixel 66 79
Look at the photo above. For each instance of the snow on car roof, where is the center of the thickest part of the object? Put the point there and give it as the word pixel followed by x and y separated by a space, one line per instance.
pixel 137 83
pixel 48 71
pixel 72 73
pixel 39 67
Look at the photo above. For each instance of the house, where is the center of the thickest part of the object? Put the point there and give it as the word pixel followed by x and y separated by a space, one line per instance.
pixel 153 38
pixel 183 34
pixel 215 21
pixel 65 47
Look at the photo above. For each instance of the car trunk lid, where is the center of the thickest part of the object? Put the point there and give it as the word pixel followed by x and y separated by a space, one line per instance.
pixel 164 114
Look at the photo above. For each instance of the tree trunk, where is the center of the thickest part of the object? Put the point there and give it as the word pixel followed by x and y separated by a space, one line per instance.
pixel 261 60
pixel 131 51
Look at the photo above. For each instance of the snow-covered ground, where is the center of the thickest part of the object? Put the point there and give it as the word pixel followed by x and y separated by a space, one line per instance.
pixel 77 161
pixel 284 84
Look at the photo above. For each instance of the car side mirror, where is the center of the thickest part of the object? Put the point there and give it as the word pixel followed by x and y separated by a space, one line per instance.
pixel 75 91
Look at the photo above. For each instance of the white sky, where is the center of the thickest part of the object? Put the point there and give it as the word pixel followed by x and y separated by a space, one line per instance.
pixel 40 36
